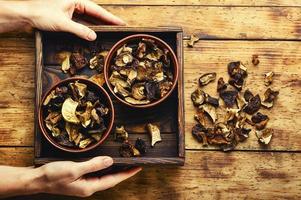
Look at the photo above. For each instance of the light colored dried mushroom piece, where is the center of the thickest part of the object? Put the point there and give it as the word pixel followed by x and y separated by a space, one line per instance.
pixel 198 97
pixel 155 133
pixel 268 78
pixel 135 101
pixel 207 78
pixel 121 134
pixel 69 111
pixel 138 91
pixel 84 143
pixel 269 98
pixel 210 110
pixel 265 135
pixel 99 79
pixel 193 40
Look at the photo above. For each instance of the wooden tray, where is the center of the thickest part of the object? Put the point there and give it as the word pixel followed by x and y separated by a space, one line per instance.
pixel 169 115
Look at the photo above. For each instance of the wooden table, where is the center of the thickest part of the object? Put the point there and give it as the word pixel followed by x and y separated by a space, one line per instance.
pixel 230 30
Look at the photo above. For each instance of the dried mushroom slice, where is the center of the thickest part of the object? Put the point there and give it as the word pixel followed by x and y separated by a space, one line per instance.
pixel 221 85
pixel 69 111
pixel 78 60
pixel 121 134
pixel 136 102
pixel 85 117
pixel 138 91
pixel 235 68
pixel 193 40
pixel 265 136
pixel 255 60
pixel 210 110
pixel 269 98
pixel 155 134
pixel 65 56
pixel 211 100
pixel 268 78
pixel 118 89
pixel 207 78
pixel 165 87
pixel 128 150
pixel 200 117
pixel 248 95
pixel 152 90
pixel 198 97
pixel 240 101
pixel 229 97
pixel 140 145
pixel 72 131
pixel 253 105
pixel 51 95
pixel 99 79
pixel 200 133
pixel 141 49
pixel 84 143
pixel 259 117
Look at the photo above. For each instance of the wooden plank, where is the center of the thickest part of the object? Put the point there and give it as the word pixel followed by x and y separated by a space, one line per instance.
pixel 225 22
pixel 281 57
pixel 202 2
pixel 206 175
pixel 16 156
pixel 16 127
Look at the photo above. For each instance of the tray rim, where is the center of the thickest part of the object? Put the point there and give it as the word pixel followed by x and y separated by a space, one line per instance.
pixel 180 159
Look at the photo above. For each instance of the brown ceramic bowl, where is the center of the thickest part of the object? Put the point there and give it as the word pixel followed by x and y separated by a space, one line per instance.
pixel 106 100
pixel 161 44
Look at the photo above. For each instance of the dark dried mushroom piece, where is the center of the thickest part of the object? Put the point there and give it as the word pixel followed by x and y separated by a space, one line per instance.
pixel 78 60
pixel 248 95
pixel 128 150
pixel 140 145
pixel 207 78
pixel 255 60
pixel 193 40
pixel 260 120
pixel 229 97
pixel 155 134
pixel 121 134
pixel 212 101
pixel 269 98
pixel 235 68
pixel 221 85
pixel 265 136
pixel 199 132
pixel 198 97
pixel 268 78
pixel 152 90
pixel 200 116
pixel 253 105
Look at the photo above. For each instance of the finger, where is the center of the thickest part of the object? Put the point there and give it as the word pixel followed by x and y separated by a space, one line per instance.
pixel 80 30
pixel 108 181
pixel 91 8
pixel 93 165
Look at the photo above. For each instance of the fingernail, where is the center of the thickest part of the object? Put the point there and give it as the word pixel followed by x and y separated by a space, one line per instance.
pixel 108 161
pixel 92 35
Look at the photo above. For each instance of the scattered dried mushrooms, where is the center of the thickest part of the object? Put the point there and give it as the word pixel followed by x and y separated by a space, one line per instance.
pixel 141 72
pixel 75 115
pixel 242 109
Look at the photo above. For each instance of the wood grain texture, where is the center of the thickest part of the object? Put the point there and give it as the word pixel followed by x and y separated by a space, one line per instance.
pixel 283 58
pixel 202 2
pixel 206 175
pixel 218 22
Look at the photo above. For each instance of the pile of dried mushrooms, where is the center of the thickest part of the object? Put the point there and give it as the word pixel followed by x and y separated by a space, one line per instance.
pixel 140 148
pixel 241 109
pixel 141 72
pixel 75 115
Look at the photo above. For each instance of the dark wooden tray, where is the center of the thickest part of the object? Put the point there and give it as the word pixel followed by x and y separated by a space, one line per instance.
pixel 169 115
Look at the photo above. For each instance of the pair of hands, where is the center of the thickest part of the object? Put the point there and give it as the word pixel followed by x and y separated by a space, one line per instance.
pixel 64 177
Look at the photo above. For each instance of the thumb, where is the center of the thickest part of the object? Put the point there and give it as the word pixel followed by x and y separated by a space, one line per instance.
pixel 94 164
pixel 80 30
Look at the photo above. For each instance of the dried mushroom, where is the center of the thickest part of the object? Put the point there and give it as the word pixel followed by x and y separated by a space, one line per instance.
pixel 141 73
pixel 207 78
pixel 121 134
pixel 255 60
pixel 198 97
pixel 210 110
pixel 265 136
pixel 140 145
pixel 268 78
pixel 193 40
pixel 155 134
pixel 269 98
pixel 75 115
pixel 128 150
pixel 99 79
pixel 253 105
pixel 229 131
pixel 229 97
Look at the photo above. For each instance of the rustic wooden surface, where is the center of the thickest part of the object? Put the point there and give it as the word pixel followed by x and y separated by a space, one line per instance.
pixel 231 30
